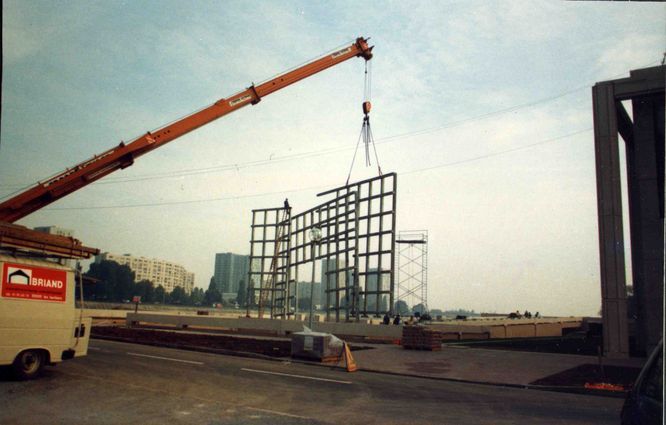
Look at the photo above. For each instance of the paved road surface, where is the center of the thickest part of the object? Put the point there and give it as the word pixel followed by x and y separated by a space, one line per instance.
pixel 126 383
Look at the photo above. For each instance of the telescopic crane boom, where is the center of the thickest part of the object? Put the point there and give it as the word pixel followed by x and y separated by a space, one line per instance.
pixel 123 155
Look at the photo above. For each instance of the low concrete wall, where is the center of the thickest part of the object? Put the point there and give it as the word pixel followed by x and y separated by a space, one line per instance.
pixel 466 330
pixel 517 329
pixel 105 314
pixel 277 326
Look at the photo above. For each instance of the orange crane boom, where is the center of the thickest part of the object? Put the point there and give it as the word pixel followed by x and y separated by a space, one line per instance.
pixel 123 155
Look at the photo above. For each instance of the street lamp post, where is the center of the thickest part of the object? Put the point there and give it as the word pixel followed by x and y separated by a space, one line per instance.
pixel 315 237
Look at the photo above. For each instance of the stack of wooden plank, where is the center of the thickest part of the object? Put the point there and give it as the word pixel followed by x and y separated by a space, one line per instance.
pixel 421 338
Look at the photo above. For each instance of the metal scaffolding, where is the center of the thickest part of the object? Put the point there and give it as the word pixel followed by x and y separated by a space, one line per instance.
pixel 413 267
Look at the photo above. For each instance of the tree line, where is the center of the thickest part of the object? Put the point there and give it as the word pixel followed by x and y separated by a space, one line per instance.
pixel 114 282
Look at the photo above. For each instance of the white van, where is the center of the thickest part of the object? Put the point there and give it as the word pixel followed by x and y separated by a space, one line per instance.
pixel 39 322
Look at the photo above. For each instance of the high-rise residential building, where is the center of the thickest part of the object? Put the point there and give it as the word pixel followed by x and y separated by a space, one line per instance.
pixel 304 291
pixel 230 269
pixel 328 279
pixel 55 230
pixel 371 286
pixel 159 272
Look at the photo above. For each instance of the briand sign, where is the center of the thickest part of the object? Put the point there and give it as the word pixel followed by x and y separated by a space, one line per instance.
pixel 47 283
pixel 23 281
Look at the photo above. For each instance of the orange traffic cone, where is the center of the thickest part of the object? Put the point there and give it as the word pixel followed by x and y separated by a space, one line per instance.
pixel 349 360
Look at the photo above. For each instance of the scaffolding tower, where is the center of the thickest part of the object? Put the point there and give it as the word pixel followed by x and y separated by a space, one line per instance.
pixel 412 247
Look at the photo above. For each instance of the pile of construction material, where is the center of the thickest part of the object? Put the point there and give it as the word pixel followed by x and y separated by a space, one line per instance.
pixel 317 346
pixel 421 338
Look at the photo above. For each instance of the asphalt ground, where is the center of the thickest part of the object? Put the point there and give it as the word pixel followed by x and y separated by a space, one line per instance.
pixel 128 383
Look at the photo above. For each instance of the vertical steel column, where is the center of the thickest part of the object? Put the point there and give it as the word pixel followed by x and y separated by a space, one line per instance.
pixel 394 209
pixel 249 296
pixel 263 260
pixel 354 270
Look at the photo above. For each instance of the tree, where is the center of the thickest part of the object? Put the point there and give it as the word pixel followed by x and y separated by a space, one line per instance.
pixel 241 296
pixel 145 290
pixel 179 296
pixel 401 308
pixel 419 308
pixel 115 282
pixel 160 294
pixel 212 294
pixel 197 296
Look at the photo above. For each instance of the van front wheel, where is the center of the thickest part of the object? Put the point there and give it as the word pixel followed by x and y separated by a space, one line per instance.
pixel 29 364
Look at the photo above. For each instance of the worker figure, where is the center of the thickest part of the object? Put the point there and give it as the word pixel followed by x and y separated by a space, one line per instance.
pixel 286 204
pixel 387 319
pixel 396 320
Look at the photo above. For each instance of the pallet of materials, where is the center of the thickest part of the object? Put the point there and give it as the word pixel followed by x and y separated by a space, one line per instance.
pixel 421 338
pixel 316 346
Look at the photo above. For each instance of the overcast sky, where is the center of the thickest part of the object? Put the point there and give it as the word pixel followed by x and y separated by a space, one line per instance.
pixel 482 108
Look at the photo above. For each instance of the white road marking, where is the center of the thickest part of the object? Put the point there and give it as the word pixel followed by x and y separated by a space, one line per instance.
pixel 164 358
pixel 94 348
pixel 275 412
pixel 314 378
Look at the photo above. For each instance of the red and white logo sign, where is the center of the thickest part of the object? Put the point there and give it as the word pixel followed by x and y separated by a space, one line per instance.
pixel 34 283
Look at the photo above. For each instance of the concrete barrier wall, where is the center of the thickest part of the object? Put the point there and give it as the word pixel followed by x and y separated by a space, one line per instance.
pixel 511 328
pixel 105 314
pixel 478 330
pixel 277 326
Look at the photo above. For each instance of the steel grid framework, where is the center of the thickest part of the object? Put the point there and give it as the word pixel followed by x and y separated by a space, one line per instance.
pixel 412 247
pixel 267 272
pixel 358 249
pixel 375 263
pixel 338 221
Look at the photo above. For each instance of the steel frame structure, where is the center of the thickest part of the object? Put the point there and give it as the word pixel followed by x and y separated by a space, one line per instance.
pixel 375 262
pixel 338 221
pixel 358 238
pixel 413 267
pixel 267 271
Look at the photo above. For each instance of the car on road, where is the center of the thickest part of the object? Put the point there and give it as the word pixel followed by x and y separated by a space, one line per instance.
pixel 645 404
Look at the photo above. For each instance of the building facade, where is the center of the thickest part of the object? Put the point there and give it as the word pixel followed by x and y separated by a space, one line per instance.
pixel 159 272
pixel 55 230
pixel 304 289
pixel 230 269
pixel 377 300
pixel 332 270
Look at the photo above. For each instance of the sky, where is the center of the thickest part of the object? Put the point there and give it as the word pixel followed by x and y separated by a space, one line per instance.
pixel 483 109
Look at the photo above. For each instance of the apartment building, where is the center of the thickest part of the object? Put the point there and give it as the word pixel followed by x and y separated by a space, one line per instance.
pixel 160 272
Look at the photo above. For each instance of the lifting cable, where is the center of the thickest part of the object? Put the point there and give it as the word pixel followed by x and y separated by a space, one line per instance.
pixel 366 131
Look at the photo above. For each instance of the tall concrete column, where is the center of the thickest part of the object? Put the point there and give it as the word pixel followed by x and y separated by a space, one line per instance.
pixel 645 172
pixel 609 210
pixel 644 137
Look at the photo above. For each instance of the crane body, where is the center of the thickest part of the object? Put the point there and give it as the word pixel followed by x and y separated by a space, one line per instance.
pixel 123 155
pixel 39 321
